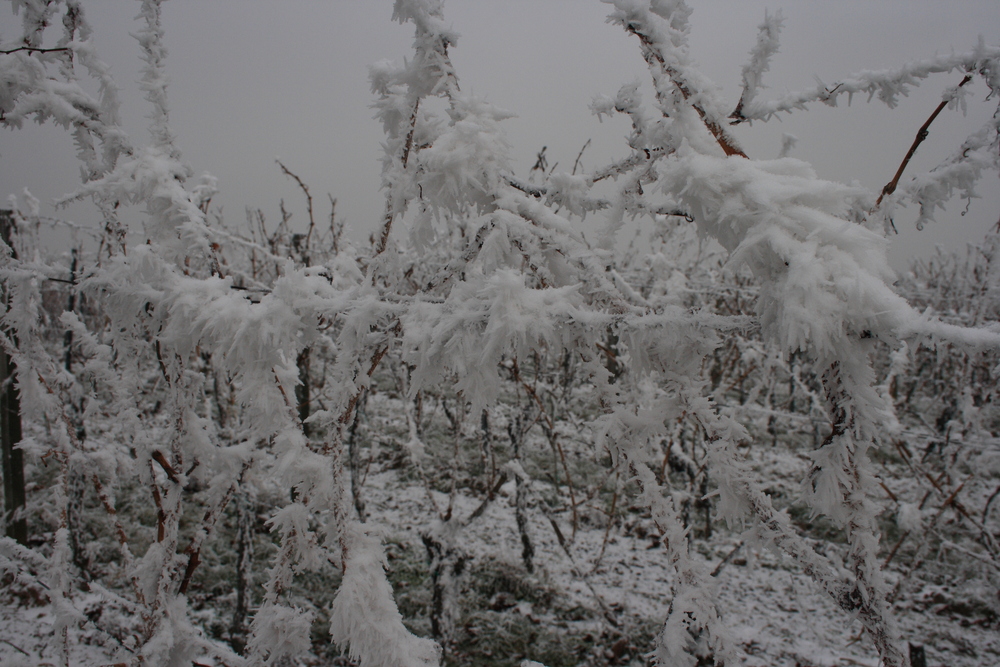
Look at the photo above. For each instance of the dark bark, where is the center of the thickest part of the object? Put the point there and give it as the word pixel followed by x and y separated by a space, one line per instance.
pixel 705 505
pixel 436 563
pixel 447 564
pixel 15 499
pixel 70 307
pixel 517 429
pixel 354 458
pixel 302 390
pixel 487 454
pixel 246 522
pixel 13 459
pixel 76 484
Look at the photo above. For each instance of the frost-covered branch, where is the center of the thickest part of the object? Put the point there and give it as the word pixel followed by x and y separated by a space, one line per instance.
pixel 760 59
pixel 960 172
pixel 662 29
pixel 887 85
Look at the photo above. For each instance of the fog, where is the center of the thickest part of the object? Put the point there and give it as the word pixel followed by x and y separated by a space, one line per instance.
pixel 254 80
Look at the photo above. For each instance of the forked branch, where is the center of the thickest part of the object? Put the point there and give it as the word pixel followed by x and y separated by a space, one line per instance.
pixel 309 199
pixel 650 51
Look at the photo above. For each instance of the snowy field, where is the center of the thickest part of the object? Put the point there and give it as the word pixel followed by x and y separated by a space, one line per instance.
pixel 675 409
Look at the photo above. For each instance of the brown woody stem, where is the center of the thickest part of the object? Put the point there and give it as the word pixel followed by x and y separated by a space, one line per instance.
pixel 727 143
pixel 167 468
pixel 890 187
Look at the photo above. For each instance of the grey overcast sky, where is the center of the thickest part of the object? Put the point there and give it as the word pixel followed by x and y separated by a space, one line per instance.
pixel 252 80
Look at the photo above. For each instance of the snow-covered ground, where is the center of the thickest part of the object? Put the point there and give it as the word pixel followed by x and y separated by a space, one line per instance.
pixel 606 585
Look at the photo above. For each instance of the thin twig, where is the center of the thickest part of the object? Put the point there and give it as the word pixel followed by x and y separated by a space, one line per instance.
pixel 208 523
pixel 986 507
pixel 486 501
pixel 36 50
pixel 892 554
pixel 127 558
pixel 16 647
pixel 161 515
pixel 345 417
pixel 576 163
pixel 890 187
pixel 607 528
pixel 724 561
pixel 553 439
pixel 309 200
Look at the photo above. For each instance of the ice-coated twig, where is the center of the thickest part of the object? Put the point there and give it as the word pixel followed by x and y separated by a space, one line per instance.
pixel 887 85
pixel 760 59
pixel 663 37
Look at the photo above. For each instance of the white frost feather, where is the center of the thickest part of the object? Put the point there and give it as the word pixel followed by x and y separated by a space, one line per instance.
pixel 365 618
